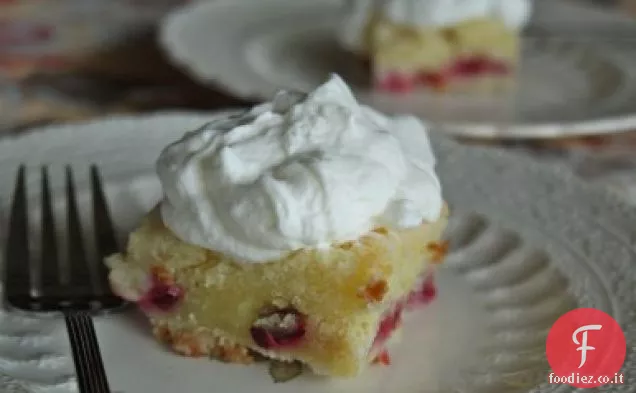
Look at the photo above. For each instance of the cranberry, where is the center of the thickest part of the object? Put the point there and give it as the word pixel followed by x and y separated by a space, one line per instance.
pixel 425 294
pixel 471 66
pixel 163 296
pixel 388 324
pixel 383 358
pixel 279 328
pixel 396 83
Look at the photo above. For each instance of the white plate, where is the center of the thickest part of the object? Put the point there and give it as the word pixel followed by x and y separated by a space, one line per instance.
pixel 529 243
pixel 254 48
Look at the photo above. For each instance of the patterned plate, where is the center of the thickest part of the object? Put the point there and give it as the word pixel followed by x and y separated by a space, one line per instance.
pixel 252 49
pixel 528 244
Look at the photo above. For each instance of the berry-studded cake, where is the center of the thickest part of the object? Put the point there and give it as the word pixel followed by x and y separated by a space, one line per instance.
pixel 438 45
pixel 298 231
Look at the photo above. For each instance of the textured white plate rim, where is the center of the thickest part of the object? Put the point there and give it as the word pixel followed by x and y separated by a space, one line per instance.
pixel 622 215
pixel 169 40
pixel 177 50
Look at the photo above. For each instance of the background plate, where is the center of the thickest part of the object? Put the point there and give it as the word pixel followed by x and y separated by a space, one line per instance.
pixel 528 244
pixel 568 86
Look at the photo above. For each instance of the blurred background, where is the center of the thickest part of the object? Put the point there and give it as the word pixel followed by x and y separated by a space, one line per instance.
pixel 73 60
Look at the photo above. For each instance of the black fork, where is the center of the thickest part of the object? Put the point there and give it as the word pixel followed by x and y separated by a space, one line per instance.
pixel 77 288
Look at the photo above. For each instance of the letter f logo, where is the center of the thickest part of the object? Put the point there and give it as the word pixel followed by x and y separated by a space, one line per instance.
pixel 583 343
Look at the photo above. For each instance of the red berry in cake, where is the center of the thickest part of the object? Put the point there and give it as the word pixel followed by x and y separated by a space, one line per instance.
pixel 396 83
pixel 389 323
pixel 471 66
pixel 424 294
pixel 279 328
pixel 164 294
pixel 479 66
pixel 162 297
pixel 383 358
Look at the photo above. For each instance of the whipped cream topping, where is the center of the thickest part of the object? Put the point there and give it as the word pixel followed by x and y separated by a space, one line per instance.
pixel 429 13
pixel 514 13
pixel 303 171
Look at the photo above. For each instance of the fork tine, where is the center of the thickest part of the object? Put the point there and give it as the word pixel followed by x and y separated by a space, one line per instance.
pixel 104 230
pixel 77 262
pixel 49 267
pixel 18 283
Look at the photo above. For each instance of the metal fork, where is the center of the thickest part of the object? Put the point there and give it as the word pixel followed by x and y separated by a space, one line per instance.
pixel 77 288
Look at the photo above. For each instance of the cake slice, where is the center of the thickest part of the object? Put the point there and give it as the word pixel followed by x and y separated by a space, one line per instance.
pixel 333 310
pixel 480 54
pixel 299 231
pixel 436 45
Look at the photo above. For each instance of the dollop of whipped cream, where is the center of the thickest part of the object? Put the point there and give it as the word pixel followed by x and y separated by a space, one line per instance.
pixel 428 13
pixel 514 13
pixel 303 171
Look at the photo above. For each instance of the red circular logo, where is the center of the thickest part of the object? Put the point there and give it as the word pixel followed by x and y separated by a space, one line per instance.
pixel 586 349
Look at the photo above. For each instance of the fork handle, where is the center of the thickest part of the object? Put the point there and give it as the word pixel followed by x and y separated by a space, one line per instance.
pixel 91 375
